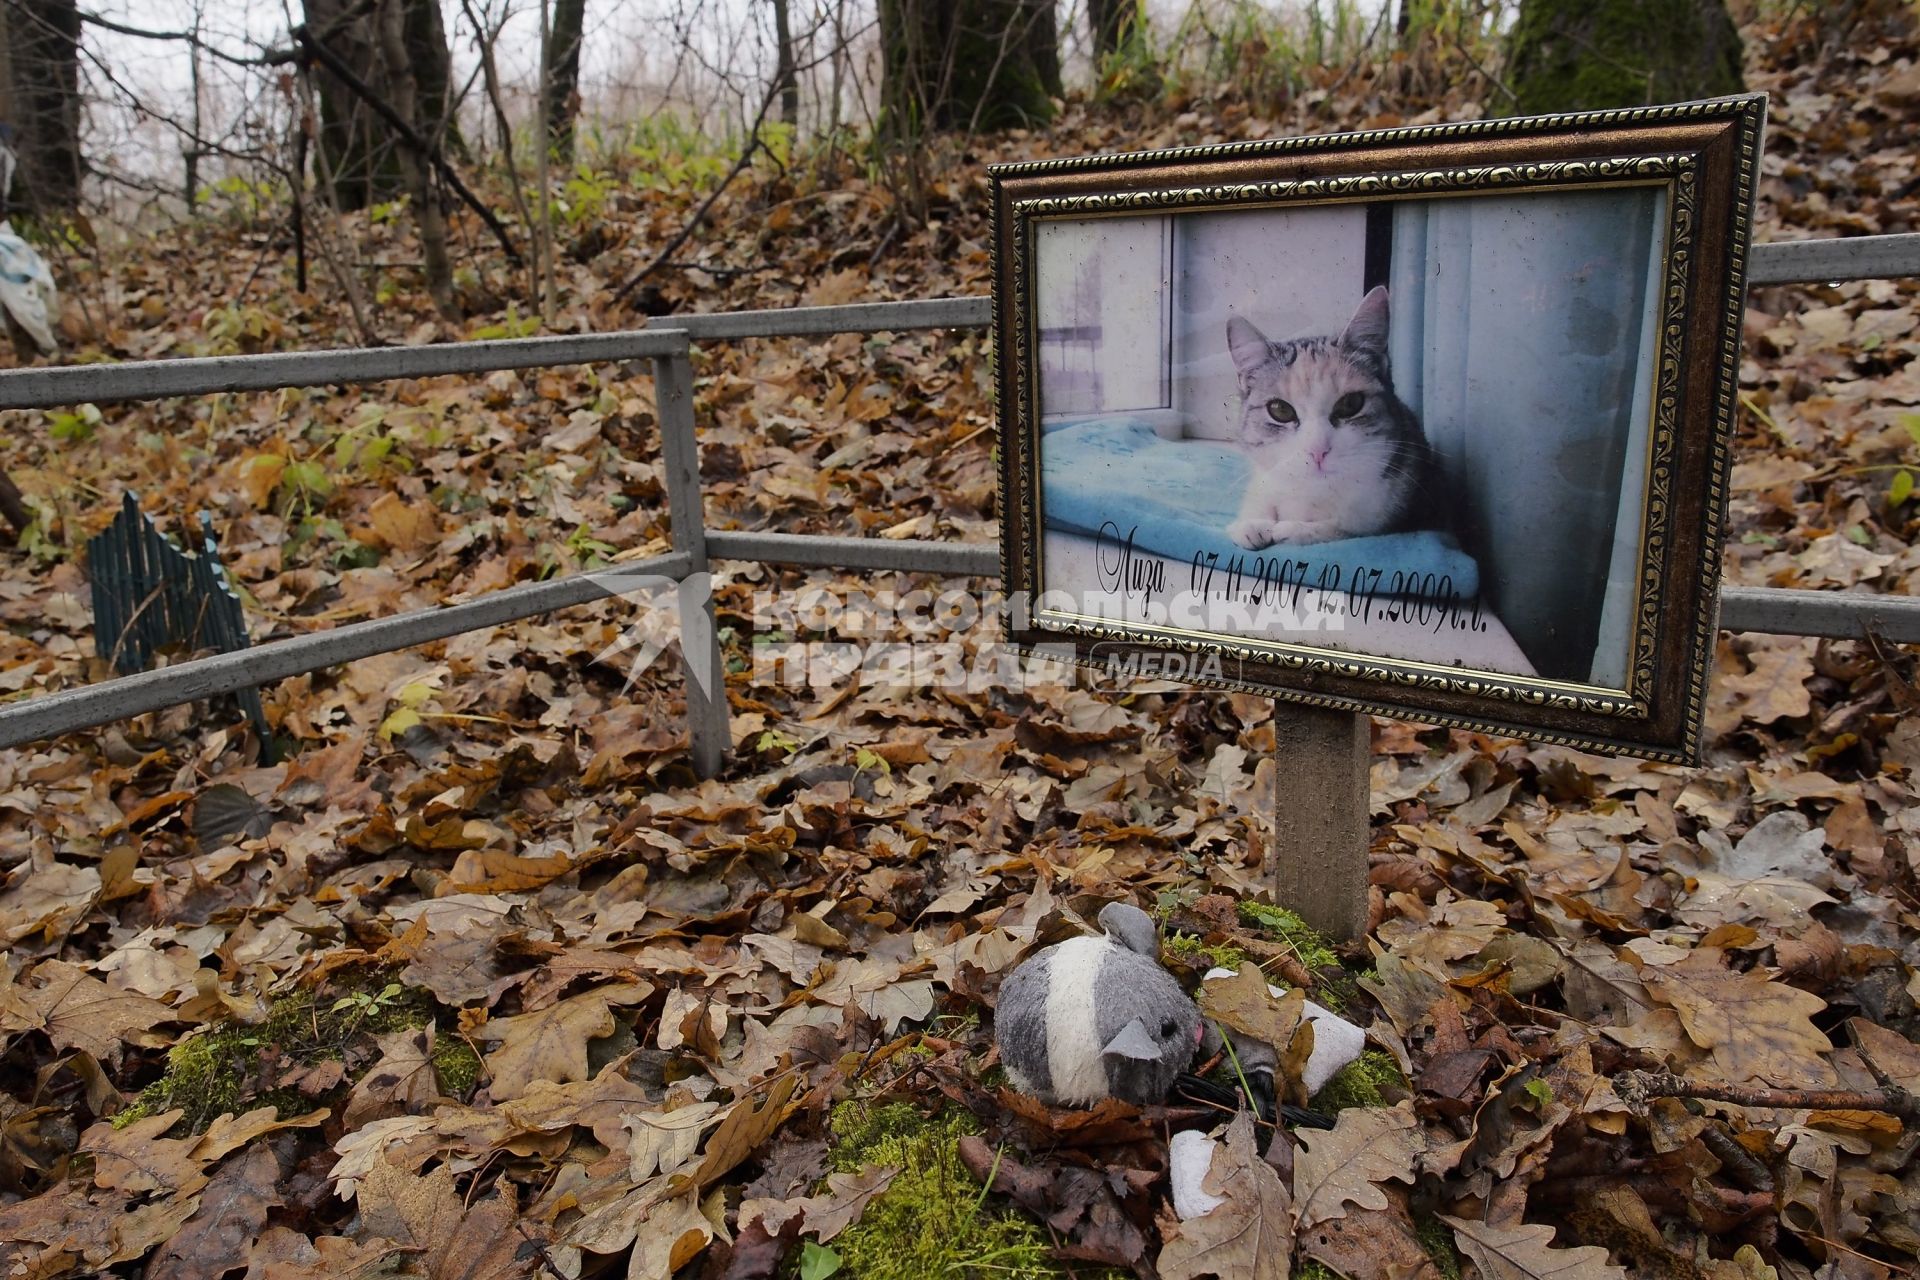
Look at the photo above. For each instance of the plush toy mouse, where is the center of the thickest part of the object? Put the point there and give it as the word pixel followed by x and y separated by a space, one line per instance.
pixel 1097 1017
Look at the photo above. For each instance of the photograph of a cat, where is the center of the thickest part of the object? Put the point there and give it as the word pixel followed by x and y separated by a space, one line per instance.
pixel 1333 451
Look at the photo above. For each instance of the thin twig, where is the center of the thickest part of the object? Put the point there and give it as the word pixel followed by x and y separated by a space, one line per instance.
pixel 485 38
pixel 1737 1160
pixel 1488 76
pixel 1635 1087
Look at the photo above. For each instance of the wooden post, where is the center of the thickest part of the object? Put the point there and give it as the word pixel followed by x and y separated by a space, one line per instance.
pixel 1318 864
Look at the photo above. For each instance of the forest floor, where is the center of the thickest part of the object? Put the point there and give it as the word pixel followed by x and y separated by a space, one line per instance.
pixel 481 981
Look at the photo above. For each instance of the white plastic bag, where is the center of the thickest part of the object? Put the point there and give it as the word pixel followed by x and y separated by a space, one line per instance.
pixel 26 289
pixel 26 286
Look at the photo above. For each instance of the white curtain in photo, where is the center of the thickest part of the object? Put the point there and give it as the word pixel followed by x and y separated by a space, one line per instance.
pixel 1102 309
pixel 1521 327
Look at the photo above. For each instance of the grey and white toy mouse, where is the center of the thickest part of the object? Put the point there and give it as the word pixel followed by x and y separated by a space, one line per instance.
pixel 1097 1017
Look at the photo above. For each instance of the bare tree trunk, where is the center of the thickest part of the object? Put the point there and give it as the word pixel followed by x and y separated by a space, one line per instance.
pixel 432 63
pixel 1042 51
pixel 560 77
pixel 948 64
pixel 43 66
pixel 543 238
pixel 1582 55
pixel 6 102
pixel 326 187
pixel 403 92
pixel 783 75
pixel 357 154
pixel 361 151
pixel 190 153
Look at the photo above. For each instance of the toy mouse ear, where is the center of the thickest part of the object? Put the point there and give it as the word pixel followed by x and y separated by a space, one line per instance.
pixel 1132 1042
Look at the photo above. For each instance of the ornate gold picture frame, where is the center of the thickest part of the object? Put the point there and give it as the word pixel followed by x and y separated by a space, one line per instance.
pixel 1429 422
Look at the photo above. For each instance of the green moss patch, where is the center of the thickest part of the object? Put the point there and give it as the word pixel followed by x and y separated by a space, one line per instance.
pixel 1189 950
pixel 1436 1237
pixel 1310 946
pixel 1364 1082
pixel 220 1069
pixel 455 1066
pixel 934 1220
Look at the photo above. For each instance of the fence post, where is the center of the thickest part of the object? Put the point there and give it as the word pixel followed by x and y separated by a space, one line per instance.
pixel 706 675
pixel 1318 865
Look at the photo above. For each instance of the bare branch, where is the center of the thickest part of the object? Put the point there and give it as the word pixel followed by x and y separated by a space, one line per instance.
pixel 700 214
pixel 1635 1087
pixel 270 58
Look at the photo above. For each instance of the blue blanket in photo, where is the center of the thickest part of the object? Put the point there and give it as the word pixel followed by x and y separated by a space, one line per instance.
pixel 1178 497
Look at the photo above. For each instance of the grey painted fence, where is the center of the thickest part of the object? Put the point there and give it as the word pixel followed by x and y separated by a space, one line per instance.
pixel 1813 613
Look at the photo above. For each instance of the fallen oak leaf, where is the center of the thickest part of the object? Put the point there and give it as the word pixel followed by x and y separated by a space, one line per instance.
pixel 1368 1242
pixel 1079 1203
pixel 674 1233
pixel 877 989
pixel 228 1132
pixel 742 1131
pixel 328 775
pixel 233 1210
pixel 30 1141
pixel 47 897
pixel 139 1229
pixel 1243 1003
pixel 1365 1146
pixel 1756 1028
pixel 602 1105
pixel 149 809
pixel 664 1141
pixel 78 1011
pixel 364 1148
pixel 456 1242
pixel 1892 1056
pixel 284 1254
pixel 551 1044
pixel 401 525
pixel 140 1157
pixel 497 871
pixel 821 1216
pixel 1775 688
pixel 66 1224
pixel 1526 1252
pixel 459 966
pixel 1247 1234
pixel 755 1255
pixel 400 1083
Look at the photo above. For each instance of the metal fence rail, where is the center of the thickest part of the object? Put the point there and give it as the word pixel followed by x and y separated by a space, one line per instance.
pixel 1809 613
pixel 1820 261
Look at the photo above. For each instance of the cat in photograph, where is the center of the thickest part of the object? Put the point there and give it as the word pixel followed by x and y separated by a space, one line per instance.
pixel 1334 452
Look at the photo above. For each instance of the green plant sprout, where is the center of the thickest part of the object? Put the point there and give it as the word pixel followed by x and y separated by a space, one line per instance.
pixel 73 427
pixel 364 1004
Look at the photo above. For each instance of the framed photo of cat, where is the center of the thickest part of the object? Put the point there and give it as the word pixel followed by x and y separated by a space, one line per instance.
pixel 1428 422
